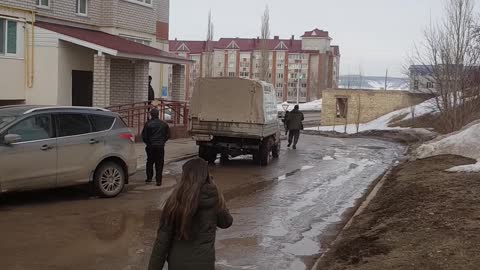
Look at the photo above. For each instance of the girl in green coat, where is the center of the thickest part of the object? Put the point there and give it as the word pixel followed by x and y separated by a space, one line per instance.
pixel 188 223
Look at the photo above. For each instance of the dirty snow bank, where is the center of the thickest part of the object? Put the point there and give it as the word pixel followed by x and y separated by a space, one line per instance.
pixel 315 105
pixel 382 123
pixel 463 143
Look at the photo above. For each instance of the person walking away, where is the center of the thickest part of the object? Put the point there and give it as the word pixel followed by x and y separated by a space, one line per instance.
pixel 294 124
pixel 189 220
pixel 155 134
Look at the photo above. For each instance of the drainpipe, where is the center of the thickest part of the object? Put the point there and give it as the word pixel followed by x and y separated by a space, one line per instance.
pixel 32 53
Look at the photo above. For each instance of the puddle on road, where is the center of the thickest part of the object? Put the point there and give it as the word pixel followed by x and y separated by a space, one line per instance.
pixel 262 184
pixel 225 265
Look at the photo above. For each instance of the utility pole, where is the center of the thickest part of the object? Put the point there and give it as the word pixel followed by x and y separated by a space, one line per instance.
pixel 298 87
pixel 386 79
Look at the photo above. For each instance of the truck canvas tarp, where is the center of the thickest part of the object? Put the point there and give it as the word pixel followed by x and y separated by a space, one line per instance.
pixel 235 106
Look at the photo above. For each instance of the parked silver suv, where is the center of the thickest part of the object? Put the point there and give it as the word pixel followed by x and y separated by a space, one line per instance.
pixel 47 147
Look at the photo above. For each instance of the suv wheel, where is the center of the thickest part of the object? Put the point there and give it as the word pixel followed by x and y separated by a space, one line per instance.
pixel 109 180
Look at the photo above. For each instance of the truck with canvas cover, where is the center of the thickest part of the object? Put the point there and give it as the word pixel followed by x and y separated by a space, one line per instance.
pixel 233 117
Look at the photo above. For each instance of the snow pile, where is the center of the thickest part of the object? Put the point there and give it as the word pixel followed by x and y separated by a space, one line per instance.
pixel 382 123
pixel 463 143
pixel 315 105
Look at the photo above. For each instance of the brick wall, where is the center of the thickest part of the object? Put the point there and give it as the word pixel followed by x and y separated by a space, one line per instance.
pixel 368 104
pixel 141 69
pixel 178 82
pixel 104 13
pixel 62 10
pixel 101 81
pixel 122 82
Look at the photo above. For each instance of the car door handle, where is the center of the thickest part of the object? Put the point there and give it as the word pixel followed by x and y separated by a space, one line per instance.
pixel 93 141
pixel 46 147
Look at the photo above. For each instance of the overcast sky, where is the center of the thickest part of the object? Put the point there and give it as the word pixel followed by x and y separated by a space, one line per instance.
pixel 373 35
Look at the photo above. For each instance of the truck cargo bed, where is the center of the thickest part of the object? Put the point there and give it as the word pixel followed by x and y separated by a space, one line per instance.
pixel 233 129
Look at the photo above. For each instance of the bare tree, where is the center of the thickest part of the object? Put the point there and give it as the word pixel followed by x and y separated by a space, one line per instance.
pixel 359 112
pixel 450 56
pixel 264 50
pixel 209 48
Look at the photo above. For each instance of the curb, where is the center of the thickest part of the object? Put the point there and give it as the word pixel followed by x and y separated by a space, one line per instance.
pixel 362 206
pixel 171 160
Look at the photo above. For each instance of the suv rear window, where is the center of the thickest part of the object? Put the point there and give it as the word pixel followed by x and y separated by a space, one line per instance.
pixel 72 124
pixel 101 122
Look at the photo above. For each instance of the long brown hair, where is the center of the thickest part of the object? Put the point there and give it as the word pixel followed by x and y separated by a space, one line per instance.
pixel 182 204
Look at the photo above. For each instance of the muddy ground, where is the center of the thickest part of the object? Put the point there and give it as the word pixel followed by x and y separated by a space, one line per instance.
pixel 422 218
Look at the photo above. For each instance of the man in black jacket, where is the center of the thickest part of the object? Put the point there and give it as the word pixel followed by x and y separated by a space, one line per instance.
pixel 155 134
pixel 294 125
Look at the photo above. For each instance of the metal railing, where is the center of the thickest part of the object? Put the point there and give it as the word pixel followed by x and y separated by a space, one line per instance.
pixel 135 115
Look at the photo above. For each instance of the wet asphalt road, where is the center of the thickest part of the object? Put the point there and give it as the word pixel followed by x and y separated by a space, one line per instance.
pixel 281 212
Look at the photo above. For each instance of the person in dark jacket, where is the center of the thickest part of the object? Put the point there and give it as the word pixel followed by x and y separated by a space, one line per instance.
pixel 188 223
pixel 294 125
pixel 151 93
pixel 155 134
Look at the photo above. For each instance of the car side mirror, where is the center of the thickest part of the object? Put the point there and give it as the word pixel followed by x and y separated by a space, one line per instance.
pixel 11 138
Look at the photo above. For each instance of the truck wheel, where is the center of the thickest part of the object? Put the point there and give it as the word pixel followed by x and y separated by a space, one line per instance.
pixel 264 153
pixel 276 150
pixel 224 158
pixel 209 154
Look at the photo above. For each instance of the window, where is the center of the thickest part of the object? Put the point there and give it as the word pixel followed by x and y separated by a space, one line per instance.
pixel 415 85
pixel 342 107
pixel 147 2
pixel 72 124
pixel 43 3
pixel 430 85
pixel 102 122
pixel 244 74
pixel 81 7
pixel 8 37
pixel 279 85
pixel 304 85
pixel 279 75
pixel 231 74
pixel 34 128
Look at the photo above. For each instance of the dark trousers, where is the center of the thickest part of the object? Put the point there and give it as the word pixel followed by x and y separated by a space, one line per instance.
pixel 155 157
pixel 293 135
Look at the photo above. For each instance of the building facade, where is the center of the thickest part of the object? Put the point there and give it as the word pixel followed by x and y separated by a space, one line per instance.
pixel 351 106
pixel 421 79
pixel 84 52
pixel 310 64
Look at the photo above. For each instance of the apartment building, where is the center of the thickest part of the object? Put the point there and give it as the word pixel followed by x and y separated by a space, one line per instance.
pixel 310 64
pixel 85 52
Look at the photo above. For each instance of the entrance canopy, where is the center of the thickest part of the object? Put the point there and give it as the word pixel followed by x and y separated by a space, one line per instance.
pixel 112 45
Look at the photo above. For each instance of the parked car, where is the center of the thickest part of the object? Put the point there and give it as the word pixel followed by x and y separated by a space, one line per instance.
pixel 48 147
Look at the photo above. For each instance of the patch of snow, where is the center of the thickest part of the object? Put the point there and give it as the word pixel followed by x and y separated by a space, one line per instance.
pixel 382 122
pixel 463 143
pixel 315 105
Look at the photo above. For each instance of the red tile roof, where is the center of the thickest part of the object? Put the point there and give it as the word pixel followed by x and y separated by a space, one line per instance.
pixel 109 41
pixel 244 45
pixel 316 33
